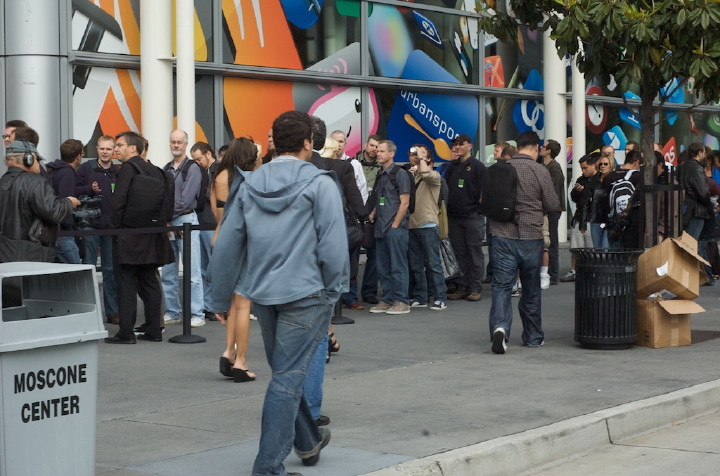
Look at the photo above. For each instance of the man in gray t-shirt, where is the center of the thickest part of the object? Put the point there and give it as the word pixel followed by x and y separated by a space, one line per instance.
pixel 390 214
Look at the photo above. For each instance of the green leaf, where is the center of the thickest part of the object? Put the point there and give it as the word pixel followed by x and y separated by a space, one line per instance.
pixel 695 68
pixel 681 17
pixel 705 19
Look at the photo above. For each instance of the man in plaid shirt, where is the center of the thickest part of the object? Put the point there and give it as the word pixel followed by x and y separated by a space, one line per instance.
pixel 518 248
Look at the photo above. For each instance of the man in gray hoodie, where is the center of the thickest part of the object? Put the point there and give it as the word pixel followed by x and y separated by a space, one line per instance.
pixel 283 245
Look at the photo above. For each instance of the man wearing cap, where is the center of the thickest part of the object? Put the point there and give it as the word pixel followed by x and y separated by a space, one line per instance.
pixel 29 208
pixel 466 225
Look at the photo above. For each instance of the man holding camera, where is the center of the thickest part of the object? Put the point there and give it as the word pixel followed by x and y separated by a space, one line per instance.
pixel 96 178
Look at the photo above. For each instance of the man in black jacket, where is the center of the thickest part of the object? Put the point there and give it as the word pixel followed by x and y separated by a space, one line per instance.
pixel 29 209
pixel 137 256
pixel 581 195
pixel 697 206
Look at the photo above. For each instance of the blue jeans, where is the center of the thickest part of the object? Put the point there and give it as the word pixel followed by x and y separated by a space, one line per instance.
pixel 91 245
pixel 599 236
pixel 170 279
pixel 67 250
pixel 205 250
pixel 693 228
pixel 313 388
pixel 370 278
pixel 509 258
pixel 424 250
pixel 292 333
pixel 392 265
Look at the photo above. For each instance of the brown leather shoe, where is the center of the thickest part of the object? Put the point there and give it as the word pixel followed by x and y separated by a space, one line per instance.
pixel 461 293
pixel 355 306
pixel 474 296
pixel 113 319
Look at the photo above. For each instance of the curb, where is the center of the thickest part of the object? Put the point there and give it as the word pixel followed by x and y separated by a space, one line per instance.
pixel 520 452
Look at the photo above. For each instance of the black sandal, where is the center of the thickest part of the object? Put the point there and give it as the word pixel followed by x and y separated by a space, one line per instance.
pixel 226 367
pixel 240 375
pixel 333 344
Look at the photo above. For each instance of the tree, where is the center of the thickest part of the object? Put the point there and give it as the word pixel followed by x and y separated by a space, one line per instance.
pixel 645 43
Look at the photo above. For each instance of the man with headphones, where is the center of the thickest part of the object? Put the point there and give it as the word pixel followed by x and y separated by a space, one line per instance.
pixel 29 209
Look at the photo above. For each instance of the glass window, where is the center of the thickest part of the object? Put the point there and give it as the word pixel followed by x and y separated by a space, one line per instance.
pixel 511 66
pixel 204 12
pixel 111 27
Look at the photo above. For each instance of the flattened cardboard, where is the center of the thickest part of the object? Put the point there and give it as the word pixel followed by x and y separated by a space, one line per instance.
pixel 663 324
pixel 671 267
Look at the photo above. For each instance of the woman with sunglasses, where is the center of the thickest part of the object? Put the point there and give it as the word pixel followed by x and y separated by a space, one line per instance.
pixel 598 207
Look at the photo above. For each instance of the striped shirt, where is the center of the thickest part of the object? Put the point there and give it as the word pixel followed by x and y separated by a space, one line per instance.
pixel 536 196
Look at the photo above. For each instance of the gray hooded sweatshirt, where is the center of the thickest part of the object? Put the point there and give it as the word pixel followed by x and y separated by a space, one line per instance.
pixel 283 237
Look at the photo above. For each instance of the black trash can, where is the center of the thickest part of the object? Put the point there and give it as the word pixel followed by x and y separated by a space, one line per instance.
pixel 605 292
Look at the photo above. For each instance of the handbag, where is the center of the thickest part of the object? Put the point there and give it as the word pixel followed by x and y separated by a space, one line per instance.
pixel 355 232
pixel 443 226
pixel 450 266
pixel 368 241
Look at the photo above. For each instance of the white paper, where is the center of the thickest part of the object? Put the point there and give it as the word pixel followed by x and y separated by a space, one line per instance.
pixel 663 270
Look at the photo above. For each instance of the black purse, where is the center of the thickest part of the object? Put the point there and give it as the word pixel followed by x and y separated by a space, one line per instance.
pixel 354 232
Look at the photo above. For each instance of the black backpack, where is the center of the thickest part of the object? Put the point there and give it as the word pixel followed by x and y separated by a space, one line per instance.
pixel 144 207
pixel 393 180
pixel 202 198
pixel 499 193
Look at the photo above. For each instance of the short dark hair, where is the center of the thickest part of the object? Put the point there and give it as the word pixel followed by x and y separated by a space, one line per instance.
pixel 70 149
pixel 554 147
pixel 133 138
pixel 290 130
pixel 374 137
pixel 319 131
pixel 27 134
pixel 203 147
pixel 633 156
pixel 223 149
pixel 594 156
pixel 16 123
pixel 693 151
pixel 527 139
pixel 633 144
pixel 508 151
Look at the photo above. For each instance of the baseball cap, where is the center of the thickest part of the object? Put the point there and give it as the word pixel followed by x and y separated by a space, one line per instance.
pixel 462 138
pixel 22 147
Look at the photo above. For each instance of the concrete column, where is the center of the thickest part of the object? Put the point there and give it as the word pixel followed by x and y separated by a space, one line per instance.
pixel 578 119
pixel 156 78
pixel 555 109
pixel 32 74
pixel 185 67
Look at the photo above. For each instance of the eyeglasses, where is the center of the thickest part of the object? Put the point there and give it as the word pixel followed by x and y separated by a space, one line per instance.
pixel 120 144
pixel 604 164
pixel 6 136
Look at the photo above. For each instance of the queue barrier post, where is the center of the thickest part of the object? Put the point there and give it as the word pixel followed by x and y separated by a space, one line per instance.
pixel 187 337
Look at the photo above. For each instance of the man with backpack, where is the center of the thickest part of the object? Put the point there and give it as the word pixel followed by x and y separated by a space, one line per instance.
pixel 465 177
pixel 141 193
pixel 620 185
pixel 392 205
pixel 97 178
pixel 188 189
pixel 518 240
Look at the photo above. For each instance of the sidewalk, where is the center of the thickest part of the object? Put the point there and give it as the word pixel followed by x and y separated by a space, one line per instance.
pixel 402 388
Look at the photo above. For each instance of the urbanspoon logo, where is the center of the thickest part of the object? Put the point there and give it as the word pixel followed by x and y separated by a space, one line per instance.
pixel 428 30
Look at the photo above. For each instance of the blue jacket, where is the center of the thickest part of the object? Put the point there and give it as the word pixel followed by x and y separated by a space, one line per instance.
pixel 62 178
pixel 283 237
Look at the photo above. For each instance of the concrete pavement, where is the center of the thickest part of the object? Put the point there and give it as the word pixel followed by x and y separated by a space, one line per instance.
pixel 404 388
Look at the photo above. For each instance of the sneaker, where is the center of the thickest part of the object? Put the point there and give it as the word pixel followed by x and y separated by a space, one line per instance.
pixel 418 304
pixel 382 306
pixel 499 346
pixel 252 317
pixel 515 292
pixel 399 308
pixel 544 281
pixel 474 296
pixel 438 306
pixel 197 322
pixel 171 320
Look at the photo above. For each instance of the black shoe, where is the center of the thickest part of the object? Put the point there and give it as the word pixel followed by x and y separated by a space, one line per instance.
pixel 553 282
pixel 310 458
pixel 342 320
pixel 370 299
pixel 149 338
pixel 117 339
pixel 141 329
pixel 322 420
pixel 210 316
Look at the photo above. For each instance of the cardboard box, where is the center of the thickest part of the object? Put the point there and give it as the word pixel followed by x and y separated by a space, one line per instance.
pixel 672 269
pixel 665 323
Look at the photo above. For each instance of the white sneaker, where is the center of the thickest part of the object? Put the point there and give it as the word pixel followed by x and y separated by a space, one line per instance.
pixel 438 306
pixel 499 346
pixel 197 322
pixel 544 281
pixel 417 304
pixel 171 320
pixel 252 317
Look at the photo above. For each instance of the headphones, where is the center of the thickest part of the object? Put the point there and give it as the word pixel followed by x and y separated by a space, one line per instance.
pixel 29 157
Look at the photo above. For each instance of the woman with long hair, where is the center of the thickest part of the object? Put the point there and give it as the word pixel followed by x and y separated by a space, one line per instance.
pixel 245 155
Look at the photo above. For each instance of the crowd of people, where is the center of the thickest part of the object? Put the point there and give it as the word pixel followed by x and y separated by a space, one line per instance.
pixel 305 209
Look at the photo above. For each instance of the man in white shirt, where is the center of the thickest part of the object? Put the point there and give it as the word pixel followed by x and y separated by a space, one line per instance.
pixel 341 139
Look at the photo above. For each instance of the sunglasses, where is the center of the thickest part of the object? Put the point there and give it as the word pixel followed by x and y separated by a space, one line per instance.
pixel 604 164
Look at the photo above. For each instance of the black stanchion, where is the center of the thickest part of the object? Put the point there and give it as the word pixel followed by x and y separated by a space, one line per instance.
pixel 187 337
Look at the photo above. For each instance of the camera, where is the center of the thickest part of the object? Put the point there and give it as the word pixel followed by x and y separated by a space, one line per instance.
pixel 88 210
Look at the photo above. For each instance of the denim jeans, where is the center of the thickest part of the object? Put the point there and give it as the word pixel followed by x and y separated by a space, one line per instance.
pixel 693 228
pixel 599 236
pixel 205 250
pixel 466 237
pixel 292 333
pixel 370 278
pixel 554 249
pixel 510 257
pixel 313 388
pixel 67 250
pixel 392 265
pixel 424 250
pixel 91 244
pixel 170 279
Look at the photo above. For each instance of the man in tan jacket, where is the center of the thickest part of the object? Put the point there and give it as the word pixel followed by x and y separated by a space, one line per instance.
pixel 424 243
